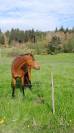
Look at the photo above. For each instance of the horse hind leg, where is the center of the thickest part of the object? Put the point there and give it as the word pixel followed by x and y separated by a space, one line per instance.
pixel 27 81
pixel 29 85
pixel 22 85
pixel 13 85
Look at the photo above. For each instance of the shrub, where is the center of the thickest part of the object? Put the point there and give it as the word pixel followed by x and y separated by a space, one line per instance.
pixel 69 46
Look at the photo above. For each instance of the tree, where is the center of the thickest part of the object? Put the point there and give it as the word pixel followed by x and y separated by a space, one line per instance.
pixel 54 45
pixel 2 40
pixel 56 29
pixel 62 29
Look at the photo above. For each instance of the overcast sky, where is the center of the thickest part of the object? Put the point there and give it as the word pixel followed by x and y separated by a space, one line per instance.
pixel 43 15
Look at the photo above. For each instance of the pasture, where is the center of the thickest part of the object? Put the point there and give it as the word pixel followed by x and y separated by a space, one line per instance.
pixel 33 113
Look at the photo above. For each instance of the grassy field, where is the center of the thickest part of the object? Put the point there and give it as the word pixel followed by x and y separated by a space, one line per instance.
pixel 33 113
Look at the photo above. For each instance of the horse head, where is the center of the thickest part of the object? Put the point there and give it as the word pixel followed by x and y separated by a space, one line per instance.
pixel 31 62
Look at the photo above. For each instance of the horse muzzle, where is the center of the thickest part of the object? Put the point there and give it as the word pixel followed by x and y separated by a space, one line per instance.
pixel 37 67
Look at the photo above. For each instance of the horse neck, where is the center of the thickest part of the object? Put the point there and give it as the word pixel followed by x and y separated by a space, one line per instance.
pixel 22 62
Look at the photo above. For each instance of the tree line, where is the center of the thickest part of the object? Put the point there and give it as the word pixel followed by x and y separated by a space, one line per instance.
pixel 55 46
pixel 37 40
pixel 21 36
pixel 64 29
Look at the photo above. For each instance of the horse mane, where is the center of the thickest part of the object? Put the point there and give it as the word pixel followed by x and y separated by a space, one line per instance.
pixel 28 54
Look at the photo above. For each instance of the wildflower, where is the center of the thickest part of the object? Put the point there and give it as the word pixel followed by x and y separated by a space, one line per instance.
pixel 1 121
pixel 28 126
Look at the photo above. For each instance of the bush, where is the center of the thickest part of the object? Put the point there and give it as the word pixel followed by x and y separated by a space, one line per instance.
pixel 69 46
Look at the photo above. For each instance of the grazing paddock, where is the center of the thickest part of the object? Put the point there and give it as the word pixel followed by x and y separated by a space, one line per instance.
pixel 33 113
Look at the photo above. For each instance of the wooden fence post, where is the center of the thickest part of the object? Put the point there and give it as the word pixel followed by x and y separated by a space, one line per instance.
pixel 52 94
pixel 0 53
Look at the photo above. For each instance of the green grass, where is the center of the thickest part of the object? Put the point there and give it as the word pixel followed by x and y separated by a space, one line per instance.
pixel 33 113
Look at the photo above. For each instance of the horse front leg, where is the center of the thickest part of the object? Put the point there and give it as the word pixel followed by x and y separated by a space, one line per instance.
pixel 13 85
pixel 29 78
pixel 22 82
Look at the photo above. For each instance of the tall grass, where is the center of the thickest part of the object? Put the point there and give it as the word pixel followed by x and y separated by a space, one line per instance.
pixel 33 113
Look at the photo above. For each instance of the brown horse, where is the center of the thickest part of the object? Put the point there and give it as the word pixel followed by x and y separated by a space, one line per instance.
pixel 21 68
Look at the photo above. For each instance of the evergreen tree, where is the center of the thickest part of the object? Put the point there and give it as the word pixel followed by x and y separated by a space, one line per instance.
pixel 54 45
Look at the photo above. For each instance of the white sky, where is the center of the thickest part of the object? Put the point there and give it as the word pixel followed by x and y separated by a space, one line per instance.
pixel 43 15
